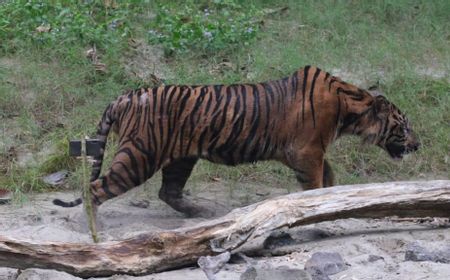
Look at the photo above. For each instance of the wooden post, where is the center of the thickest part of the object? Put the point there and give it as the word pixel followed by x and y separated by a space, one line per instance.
pixel 87 196
pixel 84 148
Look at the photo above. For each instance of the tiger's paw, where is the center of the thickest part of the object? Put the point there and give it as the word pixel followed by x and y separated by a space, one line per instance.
pixel 199 212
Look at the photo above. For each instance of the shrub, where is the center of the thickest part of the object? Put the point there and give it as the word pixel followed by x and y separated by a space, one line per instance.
pixel 61 22
pixel 218 25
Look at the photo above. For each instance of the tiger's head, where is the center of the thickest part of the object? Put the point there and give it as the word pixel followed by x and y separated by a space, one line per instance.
pixel 394 135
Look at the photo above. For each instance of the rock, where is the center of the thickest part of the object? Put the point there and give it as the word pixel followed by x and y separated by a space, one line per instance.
pixel 57 178
pixel 8 273
pixel 253 273
pixel 324 264
pixel 429 251
pixel 374 258
pixel 44 274
pixel 239 257
pixel 280 238
pixel 310 234
pixel 213 264
pixel 317 274
pixel 140 203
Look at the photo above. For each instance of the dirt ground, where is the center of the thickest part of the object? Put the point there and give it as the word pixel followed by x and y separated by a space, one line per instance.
pixel 140 211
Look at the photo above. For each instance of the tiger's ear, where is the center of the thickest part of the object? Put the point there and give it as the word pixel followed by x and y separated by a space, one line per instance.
pixel 380 105
pixel 374 90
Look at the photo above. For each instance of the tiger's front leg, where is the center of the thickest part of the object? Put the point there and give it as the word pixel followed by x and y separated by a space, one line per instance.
pixel 328 174
pixel 309 169
pixel 307 183
pixel 175 176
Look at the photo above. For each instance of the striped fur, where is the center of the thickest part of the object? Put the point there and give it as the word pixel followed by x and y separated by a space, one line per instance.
pixel 293 120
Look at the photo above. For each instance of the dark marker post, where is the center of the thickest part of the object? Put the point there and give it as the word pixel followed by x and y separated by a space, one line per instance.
pixel 83 149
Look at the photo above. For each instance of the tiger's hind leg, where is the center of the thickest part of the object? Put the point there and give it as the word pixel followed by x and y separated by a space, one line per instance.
pixel 174 178
pixel 129 168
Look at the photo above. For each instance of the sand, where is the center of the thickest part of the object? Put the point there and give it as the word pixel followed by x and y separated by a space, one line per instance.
pixel 386 240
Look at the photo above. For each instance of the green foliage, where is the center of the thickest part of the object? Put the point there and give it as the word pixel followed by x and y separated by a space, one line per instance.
pixel 50 92
pixel 25 180
pixel 218 25
pixel 61 22
pixel 59 159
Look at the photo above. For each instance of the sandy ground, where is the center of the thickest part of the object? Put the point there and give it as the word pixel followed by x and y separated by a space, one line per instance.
pixel 39 220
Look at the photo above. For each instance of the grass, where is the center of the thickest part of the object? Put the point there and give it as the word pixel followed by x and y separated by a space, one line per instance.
pixel 50 92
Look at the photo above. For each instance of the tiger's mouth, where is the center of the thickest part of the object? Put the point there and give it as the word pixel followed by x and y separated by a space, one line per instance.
pixel 396 151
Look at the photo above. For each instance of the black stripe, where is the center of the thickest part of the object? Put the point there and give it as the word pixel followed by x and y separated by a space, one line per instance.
pixel 267 107
pixel 225 149
pixel 294 83
pixel 119 181
pixel 349 119
pixel 280 98
pixel 169 109
pixel 338 113
pixel 305 79
pixel 173 111
pixel 123 110
pixel 161 117
pixel 355 95
pixel 106 188
pixel 183 126
pixel 136 179
pixel 327 75
pixel 218 89
pixel 322 144
pixel 155 99
pixel 208 104
pixel 218 130
pixel 194 114
pixel 151 135
pixel 385 127
pixel 311 96
pixel 333 79
pixel 237 104
pixel 146 112
pixel 255 117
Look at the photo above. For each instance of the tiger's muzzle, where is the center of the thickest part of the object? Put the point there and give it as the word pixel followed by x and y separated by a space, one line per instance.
pixel 398 150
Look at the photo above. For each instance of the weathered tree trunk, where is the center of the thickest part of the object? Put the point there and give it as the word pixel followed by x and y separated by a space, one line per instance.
pixel 159 251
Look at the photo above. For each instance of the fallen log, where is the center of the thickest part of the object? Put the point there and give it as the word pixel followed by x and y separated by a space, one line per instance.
pixel 158 251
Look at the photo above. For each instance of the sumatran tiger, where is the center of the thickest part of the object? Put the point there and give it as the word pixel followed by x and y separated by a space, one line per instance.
pixel 292 120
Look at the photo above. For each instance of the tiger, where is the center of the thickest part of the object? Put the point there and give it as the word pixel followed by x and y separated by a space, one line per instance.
pixel 293 120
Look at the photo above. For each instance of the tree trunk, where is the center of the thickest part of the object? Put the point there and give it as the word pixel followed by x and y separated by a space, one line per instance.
pixel 159 251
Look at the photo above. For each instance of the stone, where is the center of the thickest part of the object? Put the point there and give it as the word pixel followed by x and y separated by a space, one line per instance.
pixel 430 251
pixel 254 273
pixel 278 239
pixel 374 258
pixel 8 273
pixel 140 203
pixel 213 264
pixel 310 234
pixel 57 178
pixel 317 274
pixel 45 274
pixel 281 238
pixel 328 263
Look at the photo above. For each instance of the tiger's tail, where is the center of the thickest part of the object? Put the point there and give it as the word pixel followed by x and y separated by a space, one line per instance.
pixel 103 129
